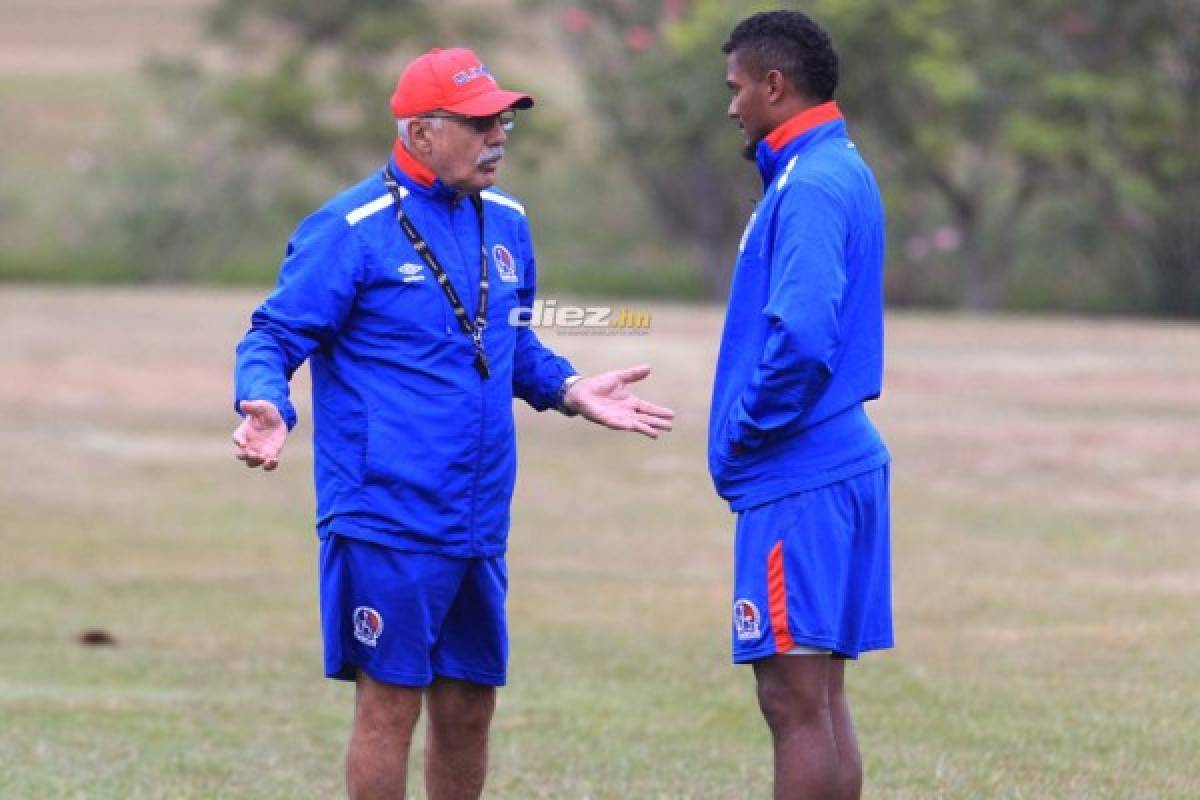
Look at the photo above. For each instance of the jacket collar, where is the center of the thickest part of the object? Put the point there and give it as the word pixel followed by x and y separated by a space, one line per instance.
pixel 796 135
pixel 416 177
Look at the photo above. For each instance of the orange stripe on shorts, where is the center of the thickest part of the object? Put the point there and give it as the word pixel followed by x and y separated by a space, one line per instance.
pixel 777 599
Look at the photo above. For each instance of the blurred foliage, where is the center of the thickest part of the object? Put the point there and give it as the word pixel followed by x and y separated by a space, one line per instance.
pixel 310 83
pixel 977 114
pixel 315 75
pixel 1033 153
pixel 657 83
pixel 998 108
pixel 185 198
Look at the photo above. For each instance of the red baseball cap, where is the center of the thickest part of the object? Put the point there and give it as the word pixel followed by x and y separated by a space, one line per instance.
pixel 452 80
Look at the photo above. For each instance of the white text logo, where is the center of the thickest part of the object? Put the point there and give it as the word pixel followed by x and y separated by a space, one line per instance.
pixel 580 319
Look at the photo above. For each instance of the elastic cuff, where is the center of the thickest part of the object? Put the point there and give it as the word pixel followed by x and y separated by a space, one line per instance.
pixel 560 401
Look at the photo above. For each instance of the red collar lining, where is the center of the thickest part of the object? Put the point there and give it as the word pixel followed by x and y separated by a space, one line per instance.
pixel 803 122
pixel 414 169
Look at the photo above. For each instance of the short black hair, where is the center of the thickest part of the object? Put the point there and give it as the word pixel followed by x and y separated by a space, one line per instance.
pixel 793 44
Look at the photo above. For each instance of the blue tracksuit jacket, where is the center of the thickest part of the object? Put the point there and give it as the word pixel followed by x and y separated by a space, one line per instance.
pixel 802 347
pixel 413 449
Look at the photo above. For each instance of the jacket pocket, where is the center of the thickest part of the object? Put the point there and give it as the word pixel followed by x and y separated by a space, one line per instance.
pixel 419 447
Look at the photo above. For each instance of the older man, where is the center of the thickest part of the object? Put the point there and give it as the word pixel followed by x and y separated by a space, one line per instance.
pixel 399 292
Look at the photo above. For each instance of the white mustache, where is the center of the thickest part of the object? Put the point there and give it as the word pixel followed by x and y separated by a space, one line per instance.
pixel 490 155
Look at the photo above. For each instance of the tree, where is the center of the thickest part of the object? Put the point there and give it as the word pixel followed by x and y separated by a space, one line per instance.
pixel 986 106
pixel 993 105
pixel 657 83
pixel 315 75
pixel 294 104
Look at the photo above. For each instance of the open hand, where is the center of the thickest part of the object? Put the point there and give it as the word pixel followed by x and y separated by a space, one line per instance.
pixel 606 400
pixel 260 437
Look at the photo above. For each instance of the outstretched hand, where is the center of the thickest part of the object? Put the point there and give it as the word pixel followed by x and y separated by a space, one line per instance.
pixel 260 437
pixel 606 400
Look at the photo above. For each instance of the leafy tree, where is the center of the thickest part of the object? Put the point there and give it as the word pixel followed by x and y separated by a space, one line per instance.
pixel 656 79
pixel 994 105
pixel 294 103
pixel 985 106
pixel 315 75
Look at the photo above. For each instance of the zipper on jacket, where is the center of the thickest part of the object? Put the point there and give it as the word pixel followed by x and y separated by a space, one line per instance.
pixel 478 465
pixel 479 448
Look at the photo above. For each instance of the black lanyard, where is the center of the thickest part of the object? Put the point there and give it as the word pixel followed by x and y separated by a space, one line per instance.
pixel 475 328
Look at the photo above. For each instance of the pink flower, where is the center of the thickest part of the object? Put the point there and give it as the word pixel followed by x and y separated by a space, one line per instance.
pixel 673 9
pixel 947 238
pixel 639 38
pixel 576 20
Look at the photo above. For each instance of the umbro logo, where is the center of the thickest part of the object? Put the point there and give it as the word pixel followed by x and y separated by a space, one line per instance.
pixel 412 272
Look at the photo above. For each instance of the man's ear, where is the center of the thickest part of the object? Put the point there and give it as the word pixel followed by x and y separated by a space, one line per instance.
pixel 420 136
pixel 776 86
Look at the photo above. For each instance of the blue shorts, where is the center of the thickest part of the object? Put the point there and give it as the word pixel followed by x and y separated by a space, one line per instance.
pixel 407 618
pixel 814 569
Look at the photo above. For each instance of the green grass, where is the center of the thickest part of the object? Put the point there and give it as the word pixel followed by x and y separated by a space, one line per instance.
pixel 1047 492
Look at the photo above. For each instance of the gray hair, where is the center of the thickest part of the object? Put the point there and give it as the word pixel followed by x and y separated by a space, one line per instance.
pixel 403 122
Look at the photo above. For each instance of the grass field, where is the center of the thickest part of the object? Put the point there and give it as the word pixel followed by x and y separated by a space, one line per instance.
pixel 1047 572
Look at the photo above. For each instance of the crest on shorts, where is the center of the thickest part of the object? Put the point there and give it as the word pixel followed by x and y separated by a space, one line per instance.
pixel 747 620
pixel 506 265
pixel 368 625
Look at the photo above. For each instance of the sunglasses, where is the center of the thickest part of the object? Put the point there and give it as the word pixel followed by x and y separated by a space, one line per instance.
pixel 506 119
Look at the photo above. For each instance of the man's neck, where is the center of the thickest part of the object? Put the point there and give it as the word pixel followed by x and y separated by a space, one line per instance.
pixel 788 109
pixel 412 165
pixel 421 171
pixel 801 122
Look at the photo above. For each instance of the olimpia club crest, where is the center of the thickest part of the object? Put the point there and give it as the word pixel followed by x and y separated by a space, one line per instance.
pixel 747 620
pixel 368 625
pixel 506 265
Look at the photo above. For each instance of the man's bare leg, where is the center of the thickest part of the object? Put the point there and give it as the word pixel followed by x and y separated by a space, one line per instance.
pixel 793 693
pixel 377 759
pixel 850 775
pixel 456 741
